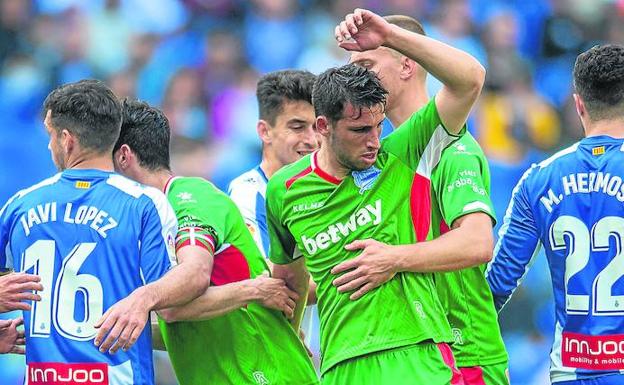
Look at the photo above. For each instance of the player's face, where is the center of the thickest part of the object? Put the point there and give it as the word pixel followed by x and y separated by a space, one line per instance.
pixel 386 63
pixel 54 144
pixel 294 135
pixel 354 139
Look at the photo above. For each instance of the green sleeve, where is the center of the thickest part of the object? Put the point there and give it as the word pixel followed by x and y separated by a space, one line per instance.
pixel 203 214
pixel 461 182
pixel 419 141
pixel 283 248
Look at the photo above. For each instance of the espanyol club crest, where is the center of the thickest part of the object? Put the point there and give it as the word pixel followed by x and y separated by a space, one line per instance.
pixel 365 179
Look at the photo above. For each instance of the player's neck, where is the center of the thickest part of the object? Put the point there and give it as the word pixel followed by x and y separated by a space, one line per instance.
pixel 328 162
pixel 157 179
pixel 611 127
pixel 269 164
pixel 414 98
pixel 88 161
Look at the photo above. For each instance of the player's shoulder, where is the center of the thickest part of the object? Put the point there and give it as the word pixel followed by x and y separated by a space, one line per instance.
pixel 131 189
pixel 464 147
pixel 286 177
pixel 559 157
pixel 190 189
pixel 249 179
pixel 32 192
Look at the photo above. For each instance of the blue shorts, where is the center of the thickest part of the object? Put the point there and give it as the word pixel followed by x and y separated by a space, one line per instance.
pixel 609 379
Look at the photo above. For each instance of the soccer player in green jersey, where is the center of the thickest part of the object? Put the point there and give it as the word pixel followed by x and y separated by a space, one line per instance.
pixel 356 187
pixel 236 332
pixel 460 200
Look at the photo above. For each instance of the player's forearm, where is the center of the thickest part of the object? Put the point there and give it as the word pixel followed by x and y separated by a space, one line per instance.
pixel 216 301
pixel 459 71
pixel 297 279
pixel 463 247
pixel 183 283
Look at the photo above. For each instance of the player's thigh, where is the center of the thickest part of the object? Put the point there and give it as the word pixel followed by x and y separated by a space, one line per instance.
pixel 418 364
pixel 497 374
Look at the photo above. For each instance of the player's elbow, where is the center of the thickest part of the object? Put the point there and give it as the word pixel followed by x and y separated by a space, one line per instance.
pixel 485 245
pixel 475 80
pixel 168 315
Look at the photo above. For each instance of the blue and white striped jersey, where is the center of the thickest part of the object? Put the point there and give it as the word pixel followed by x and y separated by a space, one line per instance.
pixel 248 191
pixel 572 204
pixel 93 237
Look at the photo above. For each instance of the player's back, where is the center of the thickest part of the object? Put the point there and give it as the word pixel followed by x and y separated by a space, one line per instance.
pixel 93 237
pixel 576 198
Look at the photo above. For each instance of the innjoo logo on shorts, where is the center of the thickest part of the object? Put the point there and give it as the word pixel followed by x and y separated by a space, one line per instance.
pixel 55 373
pixel 592 352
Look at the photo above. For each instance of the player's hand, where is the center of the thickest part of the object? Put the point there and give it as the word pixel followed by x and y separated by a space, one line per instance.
pixel 274 294
pixel 122 324
pixel 18 287
pixel 372 268
pixel 11 339
pixel 362 30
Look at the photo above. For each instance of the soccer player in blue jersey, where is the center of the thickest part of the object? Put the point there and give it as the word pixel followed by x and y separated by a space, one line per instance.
pixel 571 204
pixel 100 243
pixel 286 128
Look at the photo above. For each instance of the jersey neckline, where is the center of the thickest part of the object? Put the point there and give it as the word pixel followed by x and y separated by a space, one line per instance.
pixel 320 172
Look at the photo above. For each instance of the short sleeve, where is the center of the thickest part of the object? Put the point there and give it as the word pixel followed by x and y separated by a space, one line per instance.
pixel 283 248
pixel 159 226
pixel 461 184
pixel 420 140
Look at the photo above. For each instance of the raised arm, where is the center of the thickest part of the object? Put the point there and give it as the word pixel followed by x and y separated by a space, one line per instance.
pixel 460 73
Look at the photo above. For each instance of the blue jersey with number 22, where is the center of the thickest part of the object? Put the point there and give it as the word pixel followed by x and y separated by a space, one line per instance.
pixel 573 205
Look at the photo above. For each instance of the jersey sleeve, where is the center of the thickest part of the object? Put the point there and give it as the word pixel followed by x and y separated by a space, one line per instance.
pixel 283 248
pixel 246 199
pixel 157 253
pixel 460 185
pixel 202 216
pixel 420 140
pixel 517 245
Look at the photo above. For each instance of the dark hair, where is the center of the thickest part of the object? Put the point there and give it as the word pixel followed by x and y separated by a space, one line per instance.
pixel 349 84
pixel 406 22
pixel 276 88
pixel 87 109
pixel 599 80
pixel 145 129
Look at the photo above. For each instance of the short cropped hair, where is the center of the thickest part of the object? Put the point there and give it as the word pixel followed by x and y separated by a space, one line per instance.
pixel 349 84
pixel 276 88
pixel 599 80
pixel 145 129
pixel 406 22
pixel 89 110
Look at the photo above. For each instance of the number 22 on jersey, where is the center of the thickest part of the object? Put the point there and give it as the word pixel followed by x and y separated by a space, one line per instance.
pixel 581 243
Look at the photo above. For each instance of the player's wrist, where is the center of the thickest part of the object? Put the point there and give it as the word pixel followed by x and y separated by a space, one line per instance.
pixel 391 37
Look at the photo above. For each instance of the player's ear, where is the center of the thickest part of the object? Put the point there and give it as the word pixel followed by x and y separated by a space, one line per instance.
pixel 262 127
pixel 408 68
pixel 580 106
pixel 68 141
pixel 322 125
pixel 123 156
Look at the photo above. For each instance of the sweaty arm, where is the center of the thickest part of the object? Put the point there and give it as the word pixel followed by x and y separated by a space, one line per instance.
pixel 461 74
pixel 518 244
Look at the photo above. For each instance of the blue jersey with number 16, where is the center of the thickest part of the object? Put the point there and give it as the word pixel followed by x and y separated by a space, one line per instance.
pixel 573 205
pixel 93 237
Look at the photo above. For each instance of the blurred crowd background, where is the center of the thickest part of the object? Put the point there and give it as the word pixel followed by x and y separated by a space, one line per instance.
pixel 199 60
